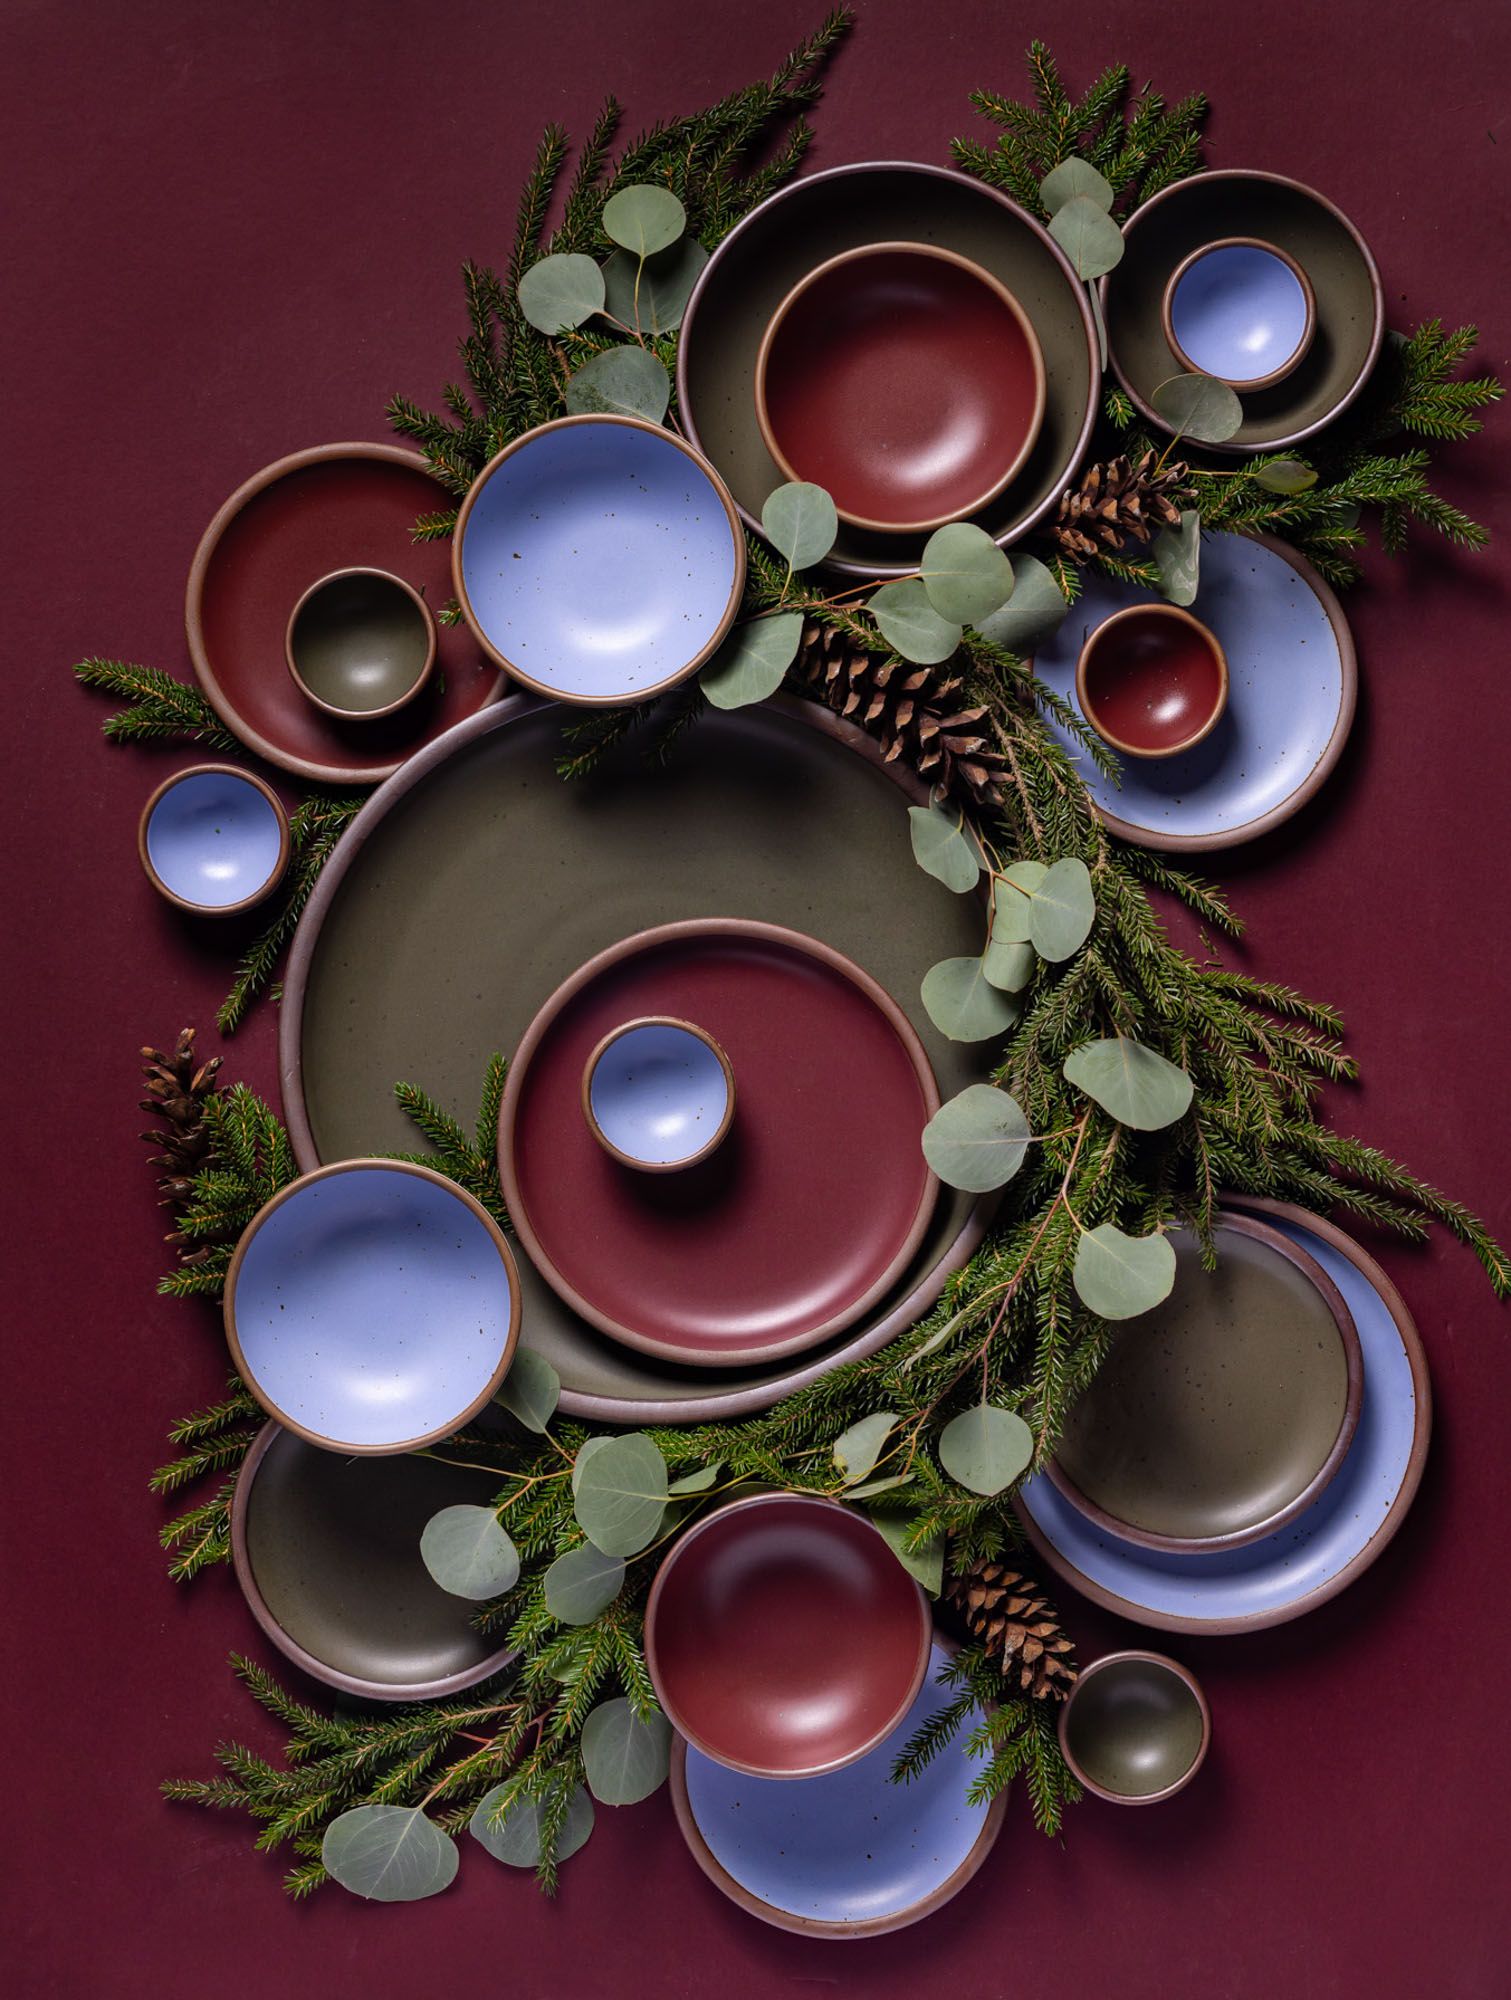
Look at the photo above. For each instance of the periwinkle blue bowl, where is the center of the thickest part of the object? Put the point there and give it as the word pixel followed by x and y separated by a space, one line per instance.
pixel 658 1094
pixel 213 839
pixel 598 560
pixel 1239 310
pixel 372 1306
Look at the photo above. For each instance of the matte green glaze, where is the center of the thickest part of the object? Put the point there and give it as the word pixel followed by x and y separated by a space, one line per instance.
pixel 360 642
pixel 1133 1727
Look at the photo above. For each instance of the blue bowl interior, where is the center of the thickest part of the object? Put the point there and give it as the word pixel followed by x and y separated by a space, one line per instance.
pixel 372 1308
pixel 214 840
pixel 598 559
pixel 659 1094
pixel 1239 312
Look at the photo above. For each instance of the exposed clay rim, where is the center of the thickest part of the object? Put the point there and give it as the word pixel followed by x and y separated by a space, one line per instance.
pixel 258 895
pixel 1181 1673
pixel 1246 383
pixel 389 707
pixel 1213 646
pixel 628 1159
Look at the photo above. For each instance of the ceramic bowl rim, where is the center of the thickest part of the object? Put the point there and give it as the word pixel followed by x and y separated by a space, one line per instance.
pixel 194 624
pixel 258 895
pixel 638 943
pixel 1213 645
pixel 721 493
pixel 1247 384
pixel 1257 1231
pixel 589 1069
pixel 497 1241
pixel 284 1640
pixel 1145 1658
pixel 420 680
pixel 831 1927
pixel 745 1504
pixel 936 252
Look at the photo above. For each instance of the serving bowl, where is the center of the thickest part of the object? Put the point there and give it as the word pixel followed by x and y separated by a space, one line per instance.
pixel 1135 1728
pixel 360 643
pixel 1152 680
pixel 1240 310
pixel 658 1094
pixel 372 1306
pixel 213 839
pixel 783 1636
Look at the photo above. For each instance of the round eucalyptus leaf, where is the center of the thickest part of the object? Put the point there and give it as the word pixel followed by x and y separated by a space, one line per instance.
pixel 886 1485
pixel 800 523
pixel 964 573
pixel 751 663
pixel 621 1492
pixel 1062 910
pixel 1198 406
pixel 1134 1085
pixel 1036 608
pixel 910 624
pixel 531 1391
pixel 625 1759
pixel 1009 964
pixel 986 1449
pixel 925 1564
pixel 1088 236
pixel 1177 556
pixel 977 1140
pixel 665 285
pixel 389 1854
pixel 582 1583
pixel 468 1553
pixel 1118 1276
pixel 963 1004
pixel 644 219
pixel 561 292
pixel 584 1452
pixel 696 1482
pixel 515 1840
pixel 620 382
pixel 857 1449
pixel 1285 475
pixel 942 849
pixel 1013 902
pixel 1071 178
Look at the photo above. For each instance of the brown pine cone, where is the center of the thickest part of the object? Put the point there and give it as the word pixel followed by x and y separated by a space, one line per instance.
pixel 1005 1610
pixel 1119 502
pixel 178 1087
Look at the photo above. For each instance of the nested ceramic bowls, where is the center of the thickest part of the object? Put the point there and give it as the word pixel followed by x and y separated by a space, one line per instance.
pixel 658 1094
pixel 1152 680
pixel 213 840
pixel 360 644
pixel 1135 1728
pixel 1240 310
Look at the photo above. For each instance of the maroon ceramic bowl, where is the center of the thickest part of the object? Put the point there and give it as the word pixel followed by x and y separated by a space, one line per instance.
pixel 1152 680
pixel 783 1636
pixel 904 379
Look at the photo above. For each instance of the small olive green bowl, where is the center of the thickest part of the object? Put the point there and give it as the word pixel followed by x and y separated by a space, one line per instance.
pixel 1135 1728
pixel 360 644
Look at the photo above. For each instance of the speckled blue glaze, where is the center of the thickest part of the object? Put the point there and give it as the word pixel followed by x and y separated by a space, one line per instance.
pixel 1267 1576
pixel 1239 313
pixel 659 1093
pixel 849 1846
pixel 214 840
pixel 598 560
pixel 1286 690
pixel 372 1308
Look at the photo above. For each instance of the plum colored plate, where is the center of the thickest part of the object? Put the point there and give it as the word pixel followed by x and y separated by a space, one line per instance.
pixel 598 559
pixel 477 881
pixel 1323 1550
pixel 818 217
pixel 327 1553
pixel 213 839
pixel 339 506
pixel 783 1636
pixel 849 1854
pixel 1292 685
pixel 808 1212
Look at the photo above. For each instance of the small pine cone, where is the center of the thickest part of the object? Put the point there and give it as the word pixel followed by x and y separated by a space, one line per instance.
pixel 1118 502
pixel 1005 1610
pixel 178 1087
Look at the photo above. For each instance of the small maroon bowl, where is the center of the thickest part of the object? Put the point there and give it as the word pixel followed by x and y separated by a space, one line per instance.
pixel 1152 680
pixel 783 1636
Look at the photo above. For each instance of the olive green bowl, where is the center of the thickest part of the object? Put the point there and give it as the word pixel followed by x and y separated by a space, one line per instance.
pixel 1135 1728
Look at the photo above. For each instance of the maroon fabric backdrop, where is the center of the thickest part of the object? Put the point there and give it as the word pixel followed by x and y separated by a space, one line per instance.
pixel 234 232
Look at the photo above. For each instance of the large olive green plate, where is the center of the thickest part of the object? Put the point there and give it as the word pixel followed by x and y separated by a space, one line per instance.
pixel 476 880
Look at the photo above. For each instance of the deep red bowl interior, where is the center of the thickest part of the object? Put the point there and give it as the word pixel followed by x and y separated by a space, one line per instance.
pixel 784 1637
pixel 1151 681
pixel 905 384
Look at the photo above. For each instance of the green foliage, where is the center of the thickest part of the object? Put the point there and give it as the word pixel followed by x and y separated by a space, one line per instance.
pixel 159 708
pixel 314 828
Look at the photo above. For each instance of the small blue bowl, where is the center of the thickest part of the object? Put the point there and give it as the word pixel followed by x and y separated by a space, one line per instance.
pixel 598 560
pixel 1241 310
pixel 372 1306
pixel 658 1094
pixel 213 840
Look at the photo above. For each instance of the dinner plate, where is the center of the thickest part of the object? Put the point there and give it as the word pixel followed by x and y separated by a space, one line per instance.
pixel 1320 1552
pixel 477 880
pixel 1292 684
pixel 820 216
pixel 338 506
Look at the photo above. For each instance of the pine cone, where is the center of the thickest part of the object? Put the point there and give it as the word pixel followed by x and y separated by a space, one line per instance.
pixel 913 712
pixel 178 1088
pixel 1119 502
pixel 1005 1610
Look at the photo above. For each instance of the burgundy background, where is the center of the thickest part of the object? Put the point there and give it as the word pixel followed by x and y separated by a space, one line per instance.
pixel 234 232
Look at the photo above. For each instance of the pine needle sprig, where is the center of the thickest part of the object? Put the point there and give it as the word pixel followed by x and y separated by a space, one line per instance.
pixel 160 708
pixel 315 826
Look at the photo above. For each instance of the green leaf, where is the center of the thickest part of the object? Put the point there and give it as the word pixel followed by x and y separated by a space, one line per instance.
pixel 468 1553
pixel 389 1854
pixel 621 1492
pixel 1072 178
pixel 986 1449
pixel 1012 901
pixel 892 1481
pixel 1088 236
pixel 666 285
pixel 584 1452
pixel 1198 406
pixel 752 661
pixel 800 523
pixel 964 573
pixel 1062 910
pixel 644 219
pixel 1177 556
pixel 910 624
pixel 925 1564
pixel 1134 1085
pixel 623 1758
pixel 1285 475
pixel 1009 963
pixel 1036 608
pixel 515 1839
pixel 978 1139
pixel 620 382
pixel 1118 1276
pixel 697 1482
pixel 561 292
pixel 942 848
pixel 531 1391
pixel 582 1583
pixel 857 1449
pixel 963 1004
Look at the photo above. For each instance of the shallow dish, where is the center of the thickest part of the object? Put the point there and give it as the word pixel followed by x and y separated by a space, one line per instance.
pixel 372 1306
pixel 360 644
pixel 1135 1728
pixel 598 559
pixel 1241 310
pixel 1152 680
pixel 658 1094
pixel 783 1636
pixel 327 1553
pixel 213 840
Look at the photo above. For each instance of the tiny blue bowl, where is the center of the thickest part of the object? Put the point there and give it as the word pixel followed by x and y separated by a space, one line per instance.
pixel 1241 310
pixel 213 840
pixel 372 1306
pixel 598 560
pixel 658 1094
